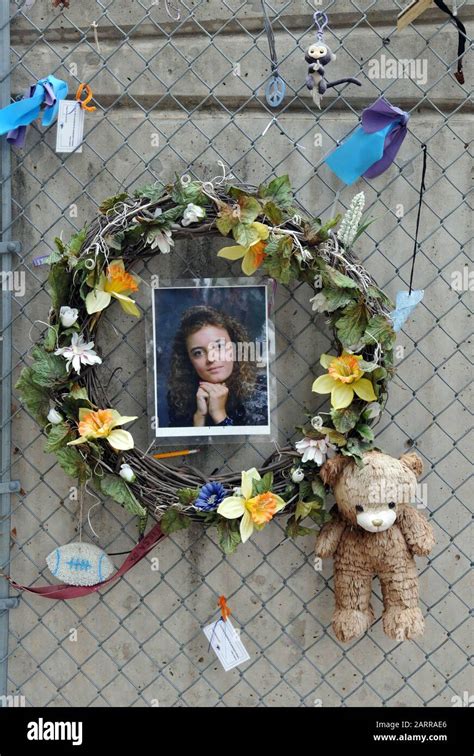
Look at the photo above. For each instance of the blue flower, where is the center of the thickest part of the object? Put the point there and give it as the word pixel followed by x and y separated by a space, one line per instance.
pixel 210 496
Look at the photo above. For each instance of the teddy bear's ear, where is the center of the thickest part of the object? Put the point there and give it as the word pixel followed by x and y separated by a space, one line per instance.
pixel 413 462
pixel 332 468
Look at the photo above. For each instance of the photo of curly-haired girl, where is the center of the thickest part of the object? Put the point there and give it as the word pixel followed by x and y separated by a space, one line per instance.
pixel 211 360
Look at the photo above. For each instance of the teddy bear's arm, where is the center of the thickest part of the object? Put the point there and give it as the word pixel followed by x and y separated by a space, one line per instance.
pixel 329 537
pixel 416 530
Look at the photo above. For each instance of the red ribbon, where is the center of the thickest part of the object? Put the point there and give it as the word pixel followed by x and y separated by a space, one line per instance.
pixel 66 592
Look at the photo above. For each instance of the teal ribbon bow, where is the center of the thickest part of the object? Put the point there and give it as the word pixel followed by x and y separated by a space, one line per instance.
pixel 45 94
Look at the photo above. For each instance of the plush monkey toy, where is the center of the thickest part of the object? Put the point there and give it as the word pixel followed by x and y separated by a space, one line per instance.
pixel 376 531
pixel 317 56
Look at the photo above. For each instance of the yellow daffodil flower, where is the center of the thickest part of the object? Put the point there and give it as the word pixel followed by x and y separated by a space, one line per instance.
pixel 117 283
pixel 253 255
pixel 255 511
pixel 103 424
pixel 343 380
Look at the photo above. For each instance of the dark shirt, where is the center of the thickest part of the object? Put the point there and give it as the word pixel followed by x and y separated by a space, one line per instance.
pixel 251 411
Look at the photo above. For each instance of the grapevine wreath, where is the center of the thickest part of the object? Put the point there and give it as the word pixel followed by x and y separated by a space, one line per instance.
pixel 62 388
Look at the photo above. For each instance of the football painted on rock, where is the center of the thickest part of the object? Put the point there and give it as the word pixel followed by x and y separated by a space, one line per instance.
pixel 80 564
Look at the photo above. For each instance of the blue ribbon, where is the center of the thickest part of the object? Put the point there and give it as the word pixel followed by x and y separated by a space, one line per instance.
pixel 373 146
pixel 45 94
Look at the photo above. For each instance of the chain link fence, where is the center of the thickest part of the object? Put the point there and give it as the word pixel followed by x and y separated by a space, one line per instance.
pixel 176 96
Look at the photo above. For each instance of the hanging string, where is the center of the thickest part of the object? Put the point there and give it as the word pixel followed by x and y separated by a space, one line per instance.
pixel 462 35
pixel 420 202
pixel 276 87
pixel 321 20
pixel 81 510
pixel 271 38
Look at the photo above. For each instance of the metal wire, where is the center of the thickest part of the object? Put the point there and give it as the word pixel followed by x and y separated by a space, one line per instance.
pixel 141 642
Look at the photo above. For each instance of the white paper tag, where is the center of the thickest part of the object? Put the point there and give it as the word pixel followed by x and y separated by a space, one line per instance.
pixel 70 128
pixel 226 643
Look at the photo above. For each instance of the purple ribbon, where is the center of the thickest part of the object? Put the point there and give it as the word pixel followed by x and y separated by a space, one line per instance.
pixel 16 137
pixel 378 116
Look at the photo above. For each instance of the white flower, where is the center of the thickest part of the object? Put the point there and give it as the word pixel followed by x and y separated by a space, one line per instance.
pixel 319 303
pixel 350 223
pixel 317 422
pixel 297 475
pixel 54 417
pixel 314 450
pixel 192 214
pixel 161 239
pixel 79 353
pixel 127 473
pixel 68 316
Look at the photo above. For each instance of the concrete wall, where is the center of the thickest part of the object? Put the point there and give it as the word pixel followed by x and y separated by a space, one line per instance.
pixel 141 641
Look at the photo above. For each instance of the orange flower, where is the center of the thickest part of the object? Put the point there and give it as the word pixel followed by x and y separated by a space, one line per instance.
pixel 345 368
pixel 118 280
pixel 343 380
pixel 253 254
pixel 103 424
pixel 96 424
pixel 262 507
pixel 115 282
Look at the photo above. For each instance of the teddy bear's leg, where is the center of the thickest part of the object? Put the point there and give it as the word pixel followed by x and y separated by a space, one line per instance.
pixel 353 614
pixel 402 618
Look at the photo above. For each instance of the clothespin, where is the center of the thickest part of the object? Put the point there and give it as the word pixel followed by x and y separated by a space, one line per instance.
pixel 88 92
pixel 223 606
pixel 411 12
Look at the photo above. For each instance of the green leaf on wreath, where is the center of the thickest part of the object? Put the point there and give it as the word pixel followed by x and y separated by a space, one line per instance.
pixel 59 281
pixel 34 397
pixel 303 508
pixel 338 279
pixel 153 192
pixel 58 437
pixel 174 520
pixel 229 535
pixel 365 431
pixel 345 419
pixel 47 369
pixel 379 330
pixel 187 496
pixel 73 463
pixel 245 235
pixel 273 213
pixel 318 489
pixel 278 191
pixel 356 448
pixel 336 298
pixel 294 529
pixel 79 392
pixel 76 242
pixel 110 202
pixel 51 338
pixel 351 325
pixel 250 209
pixel 118 490
pixel 189 194
pixel 263 485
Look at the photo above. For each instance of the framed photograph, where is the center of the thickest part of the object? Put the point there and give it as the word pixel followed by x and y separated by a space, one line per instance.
pixel 212 344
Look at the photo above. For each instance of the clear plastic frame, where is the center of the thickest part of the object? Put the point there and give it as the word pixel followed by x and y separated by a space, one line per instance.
pixel 210 359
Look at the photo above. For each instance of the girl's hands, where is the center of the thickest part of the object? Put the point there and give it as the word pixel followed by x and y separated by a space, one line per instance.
pixel 202 397
pixel 211 398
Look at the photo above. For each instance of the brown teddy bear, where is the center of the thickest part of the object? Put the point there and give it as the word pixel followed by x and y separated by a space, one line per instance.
pixel 375 531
